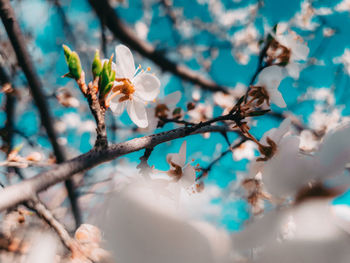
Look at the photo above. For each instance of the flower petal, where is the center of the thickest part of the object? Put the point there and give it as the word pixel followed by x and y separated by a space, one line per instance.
pixel 293 70
pixel 182 154
pixel 147 86
pixel 137 113
pixel 116 106
pixel 300 51
pixel 172 99
pixel 178 158
pixel 270 76
pixel 188 176
pixel 125 65
pixel 277 99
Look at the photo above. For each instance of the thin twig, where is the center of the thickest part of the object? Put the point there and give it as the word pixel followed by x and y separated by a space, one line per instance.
pixel 18 43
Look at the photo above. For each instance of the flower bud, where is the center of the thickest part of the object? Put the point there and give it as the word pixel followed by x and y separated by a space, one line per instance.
pixel 74 65
pixel 67 52
pixel 96 65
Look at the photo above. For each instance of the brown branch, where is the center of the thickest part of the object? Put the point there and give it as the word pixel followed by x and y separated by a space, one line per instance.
pixel 28 189
pixel 110 18
pixel 42 211
pixel 18 43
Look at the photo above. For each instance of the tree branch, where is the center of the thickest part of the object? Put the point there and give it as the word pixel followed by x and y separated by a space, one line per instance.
pixel 17 40
pixel 27 189
pixel 110 18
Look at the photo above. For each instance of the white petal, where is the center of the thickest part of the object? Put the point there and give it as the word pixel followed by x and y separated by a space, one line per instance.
pixel 188 176
pixel 137 112
pixel 116 106
pixel 182 154
pixel 270 76
pixel 178 158
pixel 277 99
pixel 300 51
pixel 125 65
pixel 282 130
pixel 172 99
pixel 281 28
pixel 293 70
pixel 147 86
pixel 173 158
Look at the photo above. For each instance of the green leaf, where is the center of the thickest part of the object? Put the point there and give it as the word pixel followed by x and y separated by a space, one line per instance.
pixel 67 52
pixel 74 65
pixel 107 88
pixel 96 65
pixel 112 76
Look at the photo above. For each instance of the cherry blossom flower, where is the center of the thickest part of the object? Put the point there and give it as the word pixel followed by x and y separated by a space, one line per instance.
pixel 201 112
pixel 267 86
pixel 163 108
pixel 144 224
pixel 304 233
pixel 245 151
pixel 133 88
pixel 295 50
pixel 183 173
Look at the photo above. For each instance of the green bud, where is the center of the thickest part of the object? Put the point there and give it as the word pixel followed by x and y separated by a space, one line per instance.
pixel 67 52
pixel 104 76
pixel 74 65
pixel 96 65
pixel 112 76
pixel 107 88
pixel 107 77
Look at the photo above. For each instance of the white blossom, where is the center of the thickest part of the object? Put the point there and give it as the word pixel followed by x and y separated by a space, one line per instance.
pixel 297 49
pixel 163 107
pixel 184 173
pixel 144 224
pixel 270 79
pixel 133 88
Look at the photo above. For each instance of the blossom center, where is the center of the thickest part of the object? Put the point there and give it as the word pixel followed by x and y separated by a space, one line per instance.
pixel 161 111
pixel 126 88
pixel 176 172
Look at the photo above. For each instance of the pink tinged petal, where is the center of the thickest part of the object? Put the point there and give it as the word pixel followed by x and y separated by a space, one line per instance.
pixel 173 158
pixel 270 76
pixel 282 130
pixel 178 158
pixel 188 176
pixel 125 65
pixel 137 113
pixel 117 107
pixel 182 154
pixel 277 99
pixel 147 86
pixel 172 99
pixel 300 51
pixel 293 70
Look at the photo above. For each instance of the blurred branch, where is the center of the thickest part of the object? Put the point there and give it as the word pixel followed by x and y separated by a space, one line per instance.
pixel 8 130
pixel 207 169
pixel 18 43
pixel 110 18
pixel 43 212
pixel 28 189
